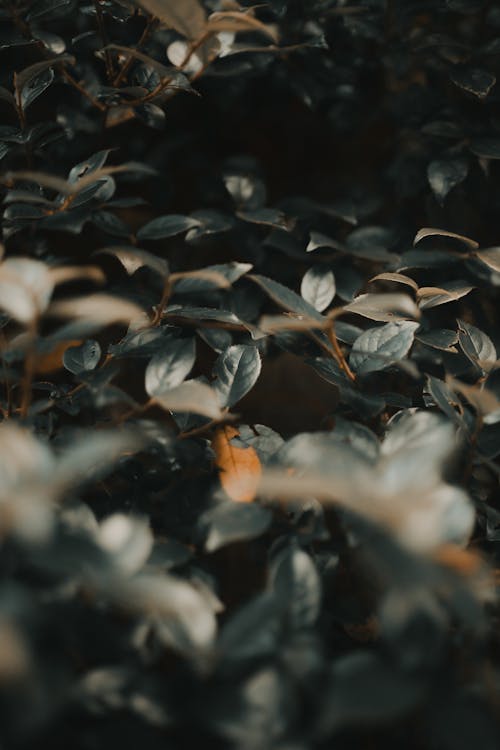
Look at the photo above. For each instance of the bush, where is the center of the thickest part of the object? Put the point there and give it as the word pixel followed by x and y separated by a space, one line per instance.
pixel 250 389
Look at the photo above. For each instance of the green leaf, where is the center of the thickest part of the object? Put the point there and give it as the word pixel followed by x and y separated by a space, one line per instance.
pixel 318 287
pixel 166 226
pixel 231 522
pixel 444 175
pixel 384 307
pixel 285 297
pixel 476 81
pixel 82 358
pixel 167 369
pixel 378 348
pixel 237 370
pixel 476 345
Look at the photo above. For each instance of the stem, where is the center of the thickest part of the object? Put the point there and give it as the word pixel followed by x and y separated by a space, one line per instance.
pixel 339 355
pixel 29 371
pixel 73 82
pixel 167 290
pixel 136 411
pixel 8 393
pixel 105 40
pixel 129 60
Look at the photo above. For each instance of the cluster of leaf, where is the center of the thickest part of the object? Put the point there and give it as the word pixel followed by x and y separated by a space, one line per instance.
pixel 249 385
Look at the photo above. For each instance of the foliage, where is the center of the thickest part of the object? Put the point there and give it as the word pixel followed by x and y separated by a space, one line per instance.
pixel 250 392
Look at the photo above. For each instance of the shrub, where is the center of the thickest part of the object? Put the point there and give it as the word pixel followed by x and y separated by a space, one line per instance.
pixel 250 390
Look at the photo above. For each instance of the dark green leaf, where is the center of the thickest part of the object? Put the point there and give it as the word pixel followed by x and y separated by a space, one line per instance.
pixel 318 287
pixel 475 81
pixel 166 226
pixel 378 348
pixel 230 522
pixel 82 358
pixel 444 175
pixel 167 369
pixel 236 370
pixel 476 345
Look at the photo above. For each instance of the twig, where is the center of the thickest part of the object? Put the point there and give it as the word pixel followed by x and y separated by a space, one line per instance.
pixel 167 290
pixel 104 36
pixel 29 371
pixel 129 60
pixel 339 355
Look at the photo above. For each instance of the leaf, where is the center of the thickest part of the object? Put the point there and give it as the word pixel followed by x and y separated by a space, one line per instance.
pixel 363 244
pixel 191 396
pixel 185 16
pixel 109 223
pixel 475 81
pixel 482 399
pixel 215 279
pixel 168 368
pixel 378 348
pixel 444 398
pixel 26 287
pixel 239 21
pixel 490 257
pixel 251 632
pixel 383 307
pixel 129 52
pixel 35 87
pixel 477 346
pixel 28 74
pixel 51 8
pixel 127 540
pixel 398 278
pixel 449 291
pixel 178 612
pixel 486 147
pixel 439 338
pixel 229 319
pixel 318 287
pixel 166 226
pixel 231 522
pixel 132 259
pixel 203 281
pixel 366 689
pixel 7 96
pixel 67 188
pixel 432 232
pixel 52 361
pixel 82 358
pixel 285 297
pixel 297 584
pixel 366 405
pixel 236 370
pixel 97 309
pixel 444 175
pixel 371 242
pixel 269 217
pixel 239 468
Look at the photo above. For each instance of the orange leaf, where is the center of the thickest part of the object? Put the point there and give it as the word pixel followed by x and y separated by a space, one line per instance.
pixel 53 360
pixel 239 468
pixel 462 561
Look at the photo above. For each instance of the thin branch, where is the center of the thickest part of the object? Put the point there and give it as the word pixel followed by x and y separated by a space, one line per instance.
pixel 104 37
pixel 130 59
pixel 339 354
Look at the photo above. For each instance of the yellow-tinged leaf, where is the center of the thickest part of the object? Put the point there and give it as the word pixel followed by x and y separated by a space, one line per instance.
pixel 239 468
